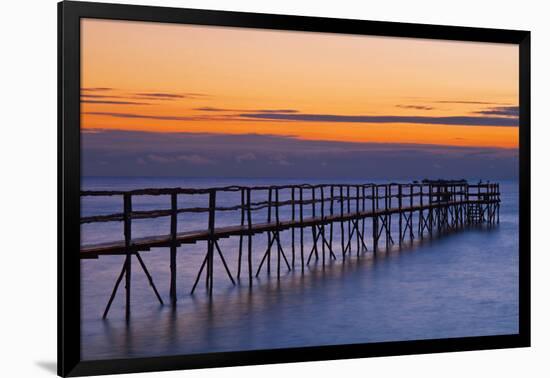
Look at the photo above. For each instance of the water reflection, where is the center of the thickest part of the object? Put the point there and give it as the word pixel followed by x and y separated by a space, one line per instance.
pixel 369 298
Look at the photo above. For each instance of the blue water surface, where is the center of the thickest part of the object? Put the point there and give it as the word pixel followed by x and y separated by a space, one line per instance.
pixel 461 284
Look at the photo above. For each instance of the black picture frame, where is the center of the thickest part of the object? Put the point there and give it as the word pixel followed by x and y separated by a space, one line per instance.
pixel 69 15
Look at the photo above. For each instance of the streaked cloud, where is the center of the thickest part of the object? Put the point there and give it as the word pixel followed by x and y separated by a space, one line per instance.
pixel 416 107
pixel 144 116
pixel 504 111
pixel 449 120
pixel 113 102
pixel 96 89
pixel 207 117
pixel 88 95
pixel 167 96
pixel 214 109
pixel 105 92
pixel 163 96
pixel 275 115
pixel 470 102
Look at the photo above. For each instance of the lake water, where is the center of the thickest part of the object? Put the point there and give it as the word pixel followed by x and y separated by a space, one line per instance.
pixel 462 284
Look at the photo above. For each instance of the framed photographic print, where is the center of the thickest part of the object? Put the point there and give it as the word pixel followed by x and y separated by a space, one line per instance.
pixel 239 188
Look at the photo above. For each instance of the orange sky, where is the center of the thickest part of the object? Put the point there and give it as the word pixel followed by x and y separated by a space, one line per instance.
pixel 159 75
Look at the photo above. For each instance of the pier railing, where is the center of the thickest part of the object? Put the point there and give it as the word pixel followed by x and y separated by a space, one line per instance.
pixel 438 205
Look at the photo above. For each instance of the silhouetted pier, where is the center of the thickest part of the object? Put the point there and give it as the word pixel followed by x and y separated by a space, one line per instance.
pixel 382 211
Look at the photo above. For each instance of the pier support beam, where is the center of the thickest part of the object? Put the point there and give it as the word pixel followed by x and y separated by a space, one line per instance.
pixel 173 247
pixel 127 243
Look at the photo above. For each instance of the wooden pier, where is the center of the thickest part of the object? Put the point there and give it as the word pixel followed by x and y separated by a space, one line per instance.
pixel 394 212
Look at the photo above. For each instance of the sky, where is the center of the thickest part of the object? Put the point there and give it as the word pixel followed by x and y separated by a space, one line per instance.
pixel 199 101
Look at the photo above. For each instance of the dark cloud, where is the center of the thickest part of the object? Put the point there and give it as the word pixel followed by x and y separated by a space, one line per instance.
pixel 85 95
pixel 133 153
pixel 470 102
pixel 158 95
pixel 96 89
pixel 450 120
pixel 416 107
pixel 143 116
pixel 334 118
pixel 140 95
pixel 168 96
pixel 112 102
pixel 222 117
pixel 505 111
pixel 213 109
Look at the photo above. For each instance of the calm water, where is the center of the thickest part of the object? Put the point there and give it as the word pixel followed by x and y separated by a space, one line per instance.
pixel 463 284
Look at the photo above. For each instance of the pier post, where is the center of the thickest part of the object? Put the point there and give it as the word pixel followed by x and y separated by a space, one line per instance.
pixel 493 203
pixel 363 209
pixel 276 233
pixel 277 236
pixel 498 203
pixel 292 230
pixel 241 236
pixel 421 221
pixel 374 195
pixel 269 234
pixel 400 205
pixel 127 243
pixel 342 230
pixel 348 198
pixel 173 246
pixel 462 198
pixel 357 233
pixel 411 212
pixel 323 223
pixel 249 223
pixel 467 207
pixel 439 209
pixel 479 204
pixel 313 227
pixel 454 209
pixel 302 227
pixel 387 197
pixel 430 210
pixel 211 239
pixel 464 209
pixel 331 214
